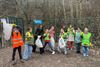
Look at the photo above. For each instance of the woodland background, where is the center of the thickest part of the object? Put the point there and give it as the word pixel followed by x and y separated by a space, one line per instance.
pixel 79 13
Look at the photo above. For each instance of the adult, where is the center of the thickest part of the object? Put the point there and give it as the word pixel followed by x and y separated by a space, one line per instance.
pixel 38 32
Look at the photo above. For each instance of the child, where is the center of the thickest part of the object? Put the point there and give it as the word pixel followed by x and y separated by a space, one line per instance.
pixel 52 33
pixel 62 43
pixel 17 43
pixel 78 40
pixel 70 42
pixel 28 46
pixel 47 39
pixel 86 37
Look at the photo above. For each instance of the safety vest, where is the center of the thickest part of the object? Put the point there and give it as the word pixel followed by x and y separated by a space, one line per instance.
pixel 17 40
pixel 29 38
pixel 47 37
pixel 86 39
pixel 64 35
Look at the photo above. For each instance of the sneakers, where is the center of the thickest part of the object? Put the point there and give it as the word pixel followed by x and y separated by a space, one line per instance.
pixel 71 49
pixel 85 55
pixel 14 63
pixel 65 52
pixel 53 52
pixel 22 61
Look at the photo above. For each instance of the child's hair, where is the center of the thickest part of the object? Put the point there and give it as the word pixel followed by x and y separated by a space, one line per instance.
pixel 14 27
pixel 29 28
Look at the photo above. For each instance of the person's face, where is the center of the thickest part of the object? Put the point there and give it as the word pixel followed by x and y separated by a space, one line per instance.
pixel 41 26
pixel 76 30
pixel 70 25
pixel 15 30
pixel 86 30
pixel 64 26
pixel 30 29
pixel 52 27
pixel 62 30
pixel 47 30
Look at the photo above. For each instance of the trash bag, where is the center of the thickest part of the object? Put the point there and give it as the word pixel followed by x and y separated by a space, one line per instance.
pixel 61 43
pixel 7 30
pixel 38 42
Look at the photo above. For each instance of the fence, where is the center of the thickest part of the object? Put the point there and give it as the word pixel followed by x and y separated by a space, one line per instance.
pixel 10 20
pixel 93 23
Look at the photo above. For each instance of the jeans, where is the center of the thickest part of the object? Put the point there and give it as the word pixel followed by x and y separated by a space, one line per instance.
pixel 27 52
pixel 78 47
pixel 62 49
pixel 85 50
pixel 52 42
pixel 51 46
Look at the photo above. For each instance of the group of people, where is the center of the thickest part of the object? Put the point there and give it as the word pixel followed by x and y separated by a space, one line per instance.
pixel 68 39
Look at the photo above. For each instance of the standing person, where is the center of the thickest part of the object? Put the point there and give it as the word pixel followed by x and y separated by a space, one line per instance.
pixel 28 45
pixel 86 38
pixel 52 33
pixel 47 39
pixel 39 32
pixel 17 43
pixel 70 40
pixel 64 28
pixel 62 42
pixel 78 40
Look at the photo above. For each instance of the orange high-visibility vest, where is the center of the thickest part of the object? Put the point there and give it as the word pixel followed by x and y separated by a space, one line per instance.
pixel 17 40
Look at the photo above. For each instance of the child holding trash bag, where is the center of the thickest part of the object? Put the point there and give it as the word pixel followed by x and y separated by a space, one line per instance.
pixel 28 45
pixel 39 32
pixel 62 43
pixel 47 39
pixel 17 43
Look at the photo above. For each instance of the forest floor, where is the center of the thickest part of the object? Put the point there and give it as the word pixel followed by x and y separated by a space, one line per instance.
pixel 49 60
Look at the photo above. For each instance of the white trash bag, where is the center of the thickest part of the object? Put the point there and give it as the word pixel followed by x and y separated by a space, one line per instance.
pixel 7 29
pixel 38 42
pixel 61 43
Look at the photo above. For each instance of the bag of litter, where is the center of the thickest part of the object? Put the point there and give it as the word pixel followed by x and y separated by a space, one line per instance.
pixel 38 42
pixel 61 43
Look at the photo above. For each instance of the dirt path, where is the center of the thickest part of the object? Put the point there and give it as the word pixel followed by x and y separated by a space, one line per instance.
pixel 48 60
